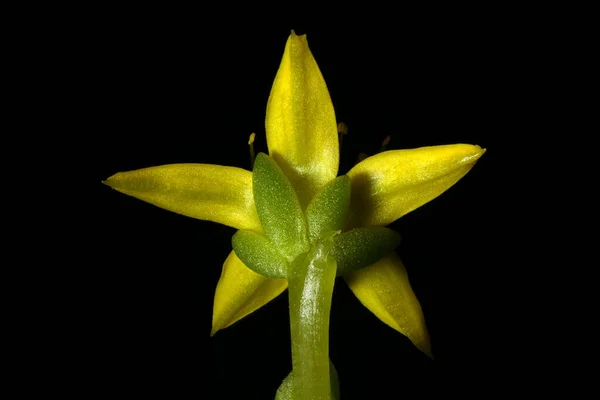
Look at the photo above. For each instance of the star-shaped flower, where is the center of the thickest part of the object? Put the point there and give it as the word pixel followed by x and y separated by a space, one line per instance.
pixel 302 139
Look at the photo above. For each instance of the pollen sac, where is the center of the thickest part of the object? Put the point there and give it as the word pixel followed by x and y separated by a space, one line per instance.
pixel 361 247
pixel 328 211
pixel 278 208
pixel 259 254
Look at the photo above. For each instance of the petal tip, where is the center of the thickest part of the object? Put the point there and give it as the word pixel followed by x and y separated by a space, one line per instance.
pixel 426 348
pixel 109 182
pixel 113 180
pixel 297 40
pixel 480 152
pixel 294 35
pixel 472 153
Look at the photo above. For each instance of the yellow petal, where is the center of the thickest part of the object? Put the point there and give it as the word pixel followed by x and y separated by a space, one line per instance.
pixel 203 191
pixel 385 290
pixel 241 291
pixel 391 184
pixel 300 122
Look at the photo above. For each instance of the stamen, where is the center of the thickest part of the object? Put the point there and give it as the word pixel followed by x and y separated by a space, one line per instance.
pixel 362 156
pixel 251 144
pixel 342 130
pixel 385 142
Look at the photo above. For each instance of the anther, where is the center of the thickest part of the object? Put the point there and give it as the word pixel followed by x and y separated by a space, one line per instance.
pixel 251 144
pixel 385 142
pixel 342 130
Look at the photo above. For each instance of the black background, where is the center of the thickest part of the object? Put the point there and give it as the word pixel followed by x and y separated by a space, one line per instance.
pixel 161 90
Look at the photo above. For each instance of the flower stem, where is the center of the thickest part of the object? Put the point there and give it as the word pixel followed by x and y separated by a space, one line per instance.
pixel 311 278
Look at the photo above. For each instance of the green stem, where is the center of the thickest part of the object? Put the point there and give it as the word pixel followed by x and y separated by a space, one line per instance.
pixel 311 281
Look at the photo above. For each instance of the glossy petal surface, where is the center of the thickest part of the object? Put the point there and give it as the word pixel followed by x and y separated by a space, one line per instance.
pixel 391 184
pixel 385 290
pixel 241 291
pixel 300 122
pixel 203 191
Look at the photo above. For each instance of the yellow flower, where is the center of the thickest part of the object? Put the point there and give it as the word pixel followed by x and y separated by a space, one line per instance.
pixel 302 138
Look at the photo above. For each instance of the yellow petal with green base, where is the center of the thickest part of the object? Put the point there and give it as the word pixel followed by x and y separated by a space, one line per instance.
pixel 300 122
pixel 385 290
pixel 391 184
pixel 241 291
pixel 203 191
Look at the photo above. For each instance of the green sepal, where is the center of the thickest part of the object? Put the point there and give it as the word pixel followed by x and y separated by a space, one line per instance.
pixel 285 389
pixel 278 208
pixel 362 247
pixel 329 208
pixel 259 254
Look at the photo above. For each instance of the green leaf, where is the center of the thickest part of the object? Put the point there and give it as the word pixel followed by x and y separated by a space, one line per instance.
pixel 259 254
pixel 278 208
pixel 329 209
pixel 285 389
pixel 362 247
